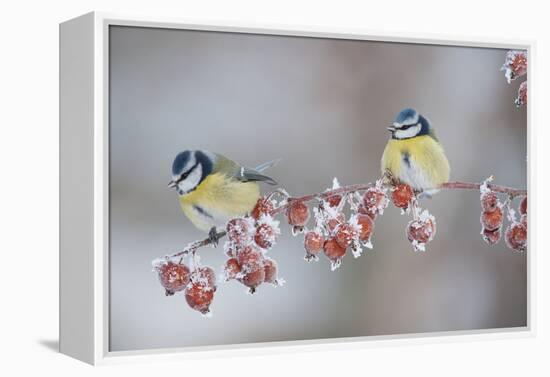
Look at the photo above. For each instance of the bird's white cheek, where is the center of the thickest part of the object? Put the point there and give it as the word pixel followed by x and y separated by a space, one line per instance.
pixel 191 182
pixel 410 132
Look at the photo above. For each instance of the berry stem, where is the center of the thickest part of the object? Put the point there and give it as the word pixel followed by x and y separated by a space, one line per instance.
pixel 344 190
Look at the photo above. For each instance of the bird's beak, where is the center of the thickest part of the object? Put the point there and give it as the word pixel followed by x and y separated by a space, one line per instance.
pixel 391 129
pixel 172 184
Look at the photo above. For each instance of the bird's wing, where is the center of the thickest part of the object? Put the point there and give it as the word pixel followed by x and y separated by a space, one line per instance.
pixel 251 175
pixel 244 174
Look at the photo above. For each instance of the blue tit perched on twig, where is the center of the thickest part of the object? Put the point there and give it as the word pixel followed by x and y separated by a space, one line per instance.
pixel 414 155
pixel 213 189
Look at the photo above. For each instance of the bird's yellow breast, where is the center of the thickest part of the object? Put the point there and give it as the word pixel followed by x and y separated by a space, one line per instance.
pixel 419 161
pixel 217 199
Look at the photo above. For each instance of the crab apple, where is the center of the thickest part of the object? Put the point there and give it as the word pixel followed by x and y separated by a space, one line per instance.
pixel 333 250
pixel 521 99
pixel 231 268
pixel 345 235
pixel 199 297
pixel 524 220
pixel 374 201
pixel 313 242
pixel 204 276
pixel 238 231
pixel 270 269
pixel 334 200
pixel 335 221
pixel 491 236
pixel 173 277
pixel 297 213
pixel 489 201
pixel 367 226
pixel 249 258
pixel 402 195
pixel 263 206
pixel 523 206
pixel 492 220
pixel 516 237
pixel 253 278
pixel 364 211
pixel 265 236
pixel 515 64
pixel 420 232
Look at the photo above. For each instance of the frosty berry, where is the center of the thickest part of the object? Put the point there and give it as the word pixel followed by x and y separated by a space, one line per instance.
pixel 421 231
pixel 231 268
pixel 345 235
pixel 204 276
pixel 402 195
pixel 238 232
pixel 367 226
pixel 374 201
pixel 523 206
pixel 492 220
pixel 491 236
pixel 333 251
pixel 199 297
pixel 263 206
pixel 516 237
pixel 265 236
pixel 297 213
pixel 313 243
pixel 173 276
pixel 270 271
pixel 489 201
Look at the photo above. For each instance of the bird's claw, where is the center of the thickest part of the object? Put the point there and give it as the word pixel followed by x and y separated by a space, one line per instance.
pixel 213 236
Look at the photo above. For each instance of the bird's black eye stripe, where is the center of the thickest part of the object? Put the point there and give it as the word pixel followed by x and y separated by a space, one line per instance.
pixel 406 126
pixel 186 174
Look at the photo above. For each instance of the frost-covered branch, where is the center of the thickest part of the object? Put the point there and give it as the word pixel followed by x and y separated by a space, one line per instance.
pixel 326 229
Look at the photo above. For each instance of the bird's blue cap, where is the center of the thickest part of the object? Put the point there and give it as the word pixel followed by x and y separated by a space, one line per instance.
pixel 407 116
pixel 180 161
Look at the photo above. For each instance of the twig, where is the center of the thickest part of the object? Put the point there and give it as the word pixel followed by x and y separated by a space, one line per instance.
pixel 192 247
pixel 475 186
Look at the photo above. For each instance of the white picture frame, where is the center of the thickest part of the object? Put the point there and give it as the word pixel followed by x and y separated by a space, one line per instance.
pixel 84 201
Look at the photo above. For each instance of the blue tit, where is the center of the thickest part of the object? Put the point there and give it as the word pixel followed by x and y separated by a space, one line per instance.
pixel 213 189
pixel 414 155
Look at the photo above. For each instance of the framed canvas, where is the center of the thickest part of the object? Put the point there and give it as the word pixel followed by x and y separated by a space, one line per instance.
pixel 234 189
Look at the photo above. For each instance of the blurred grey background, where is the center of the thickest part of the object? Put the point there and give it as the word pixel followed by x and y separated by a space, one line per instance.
pixel 323 106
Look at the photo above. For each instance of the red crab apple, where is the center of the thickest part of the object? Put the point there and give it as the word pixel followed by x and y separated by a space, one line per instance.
pixel 489 201
pixel 313 242
pixel 297 213
pixel 270 270
pixel 345 234
pixel 231 268
pixel 263 206
pixel 265 236
pixel 374 201
pixel 199 297
pixel 491 236
pixel 492 220
pixel 333 250
pixel 402 195
pixel 367 226
pixel 420 232
pixel 238 232
pixel 173 276
pixel 516 237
